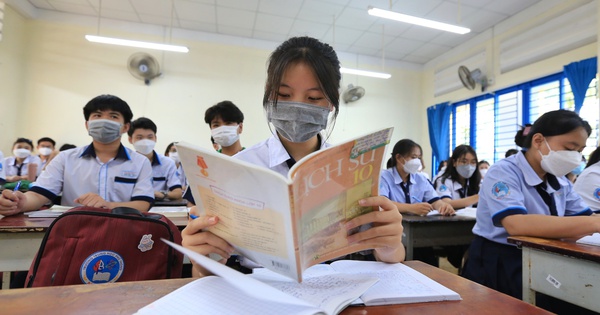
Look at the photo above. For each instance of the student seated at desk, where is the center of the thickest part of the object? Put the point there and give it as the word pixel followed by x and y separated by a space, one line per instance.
pixel 527 194
pixel 400 182
pixel 142 134
pixel 103 174
pixel 301 92
pixel 18 166
pixel 587 184
pixel 46 149
pixel 171 152
pixel 459 184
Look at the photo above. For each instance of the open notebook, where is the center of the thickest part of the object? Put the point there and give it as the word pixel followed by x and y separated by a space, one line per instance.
pixel 326 289
pixel 53 212
pixel 593 239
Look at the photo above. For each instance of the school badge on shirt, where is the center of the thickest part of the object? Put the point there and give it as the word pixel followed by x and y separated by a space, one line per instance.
pixel 443 188
pixel 500 190
pixel 597 193
pixel 102 267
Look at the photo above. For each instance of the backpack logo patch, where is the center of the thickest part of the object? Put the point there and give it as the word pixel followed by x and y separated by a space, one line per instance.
pixel 146 243
pixel 102 267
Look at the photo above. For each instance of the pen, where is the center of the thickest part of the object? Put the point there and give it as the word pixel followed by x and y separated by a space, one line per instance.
pixel 415 199
pixel 194 217
pixel 17 186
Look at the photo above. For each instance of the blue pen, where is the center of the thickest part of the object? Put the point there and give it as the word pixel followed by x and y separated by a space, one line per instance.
pixel 17 186
pixel 194 217
pixel 415 199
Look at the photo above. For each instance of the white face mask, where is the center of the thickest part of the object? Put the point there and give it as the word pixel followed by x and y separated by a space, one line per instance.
pixel 174 156
pixel 483 171
pixel 466 170
pixel 21 153
pixel 225 135
pixel 144 146
pixel 44 151
pixel 412 166
pixel 560 163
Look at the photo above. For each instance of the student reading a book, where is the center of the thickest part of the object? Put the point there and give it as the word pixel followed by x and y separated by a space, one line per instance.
pixel 301 92
pixel 459 184
pixel 527 194
pixel 142 134
pixel 19 166
pixel 171 152
pixel 588 182
pixel 103 174
pixel 410 191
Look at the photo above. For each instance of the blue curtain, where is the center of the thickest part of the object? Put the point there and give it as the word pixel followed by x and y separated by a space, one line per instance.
pixel 580 74
pixel 438 118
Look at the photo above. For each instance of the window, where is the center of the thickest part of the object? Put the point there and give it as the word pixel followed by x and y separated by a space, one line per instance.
pixel 489 122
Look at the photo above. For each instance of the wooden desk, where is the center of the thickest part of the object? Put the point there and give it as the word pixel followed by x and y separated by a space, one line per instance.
pixel 562 269
pixel 128 297
pixel 430 231
pixel 20 239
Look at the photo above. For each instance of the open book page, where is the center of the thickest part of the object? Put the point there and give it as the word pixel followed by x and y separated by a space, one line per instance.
pixel 466 212
pixel 330 291
pixel 593 239
pixel 172 212
pixel 53 212
pixel 327 186
pixel 398 283
pixel 252 203
pixel 213 295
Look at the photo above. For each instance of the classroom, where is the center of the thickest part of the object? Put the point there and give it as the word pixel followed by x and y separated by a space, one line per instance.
pixel 517 52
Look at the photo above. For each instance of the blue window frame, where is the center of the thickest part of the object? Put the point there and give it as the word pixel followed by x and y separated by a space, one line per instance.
pixel 489 122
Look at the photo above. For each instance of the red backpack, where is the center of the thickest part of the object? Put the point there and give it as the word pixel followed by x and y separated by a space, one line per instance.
pixel 94 245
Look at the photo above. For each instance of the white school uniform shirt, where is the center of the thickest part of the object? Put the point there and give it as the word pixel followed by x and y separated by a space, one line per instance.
pixel 271 154
pixel 419 187
pixel 127 177
pixel 11 168
pixel 164 173
pixel 181 176
pixel 509 188
pixel 587 186
pixel 2 169
pixel 449 188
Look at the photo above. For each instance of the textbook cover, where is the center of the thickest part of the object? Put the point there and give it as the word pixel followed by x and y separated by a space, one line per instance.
pixel 287 224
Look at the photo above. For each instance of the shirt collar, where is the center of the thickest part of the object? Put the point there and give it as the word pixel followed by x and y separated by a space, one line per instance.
pixel 121 152
pixel 398 178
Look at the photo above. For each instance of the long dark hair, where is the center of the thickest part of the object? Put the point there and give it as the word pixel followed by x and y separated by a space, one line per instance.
pixel 402 147
pixel 594 157
pixel 553 123
pixel 451 172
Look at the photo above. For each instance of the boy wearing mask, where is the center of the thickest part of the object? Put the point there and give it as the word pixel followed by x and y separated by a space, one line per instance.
pixel 103 174
pixel 45 148
pixel 226 122
pixel 165 180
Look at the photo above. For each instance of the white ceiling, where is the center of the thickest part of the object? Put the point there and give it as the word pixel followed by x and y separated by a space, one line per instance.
pixel 356 32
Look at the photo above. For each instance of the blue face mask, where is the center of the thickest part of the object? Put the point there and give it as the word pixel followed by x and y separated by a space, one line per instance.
pixel 578 169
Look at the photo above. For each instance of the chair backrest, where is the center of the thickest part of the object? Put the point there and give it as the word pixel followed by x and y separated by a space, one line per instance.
pixel 92 245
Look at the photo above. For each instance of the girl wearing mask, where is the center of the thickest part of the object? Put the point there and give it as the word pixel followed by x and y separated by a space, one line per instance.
pixel 483 166
pixel 301 93
pixel 19 166
pixel 459 185
pixel 171 152
pixel 411 192
pixel 527 194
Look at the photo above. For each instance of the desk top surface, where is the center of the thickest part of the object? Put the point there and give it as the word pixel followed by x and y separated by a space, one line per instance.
pixel 22 223
pixel 559 246
pixel 128 297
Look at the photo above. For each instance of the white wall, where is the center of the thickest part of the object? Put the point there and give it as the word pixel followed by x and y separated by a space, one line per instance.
pixel 12 65
pixel 63 71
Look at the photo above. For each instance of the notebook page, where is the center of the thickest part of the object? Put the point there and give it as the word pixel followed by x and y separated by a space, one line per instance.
pixel 593 239
pixel 213 295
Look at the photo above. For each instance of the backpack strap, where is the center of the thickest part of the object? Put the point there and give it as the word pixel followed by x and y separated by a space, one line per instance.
pixel 126 211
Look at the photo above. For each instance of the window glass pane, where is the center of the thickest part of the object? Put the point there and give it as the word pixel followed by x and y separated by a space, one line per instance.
pixel 507 122
pixel 544 98
pixel 484 136
pixel 590 112
pixel 463 125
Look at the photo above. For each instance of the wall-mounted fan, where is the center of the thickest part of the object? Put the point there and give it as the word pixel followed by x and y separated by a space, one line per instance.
pixel 353 94
pixel 470 79
pixel 143 66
